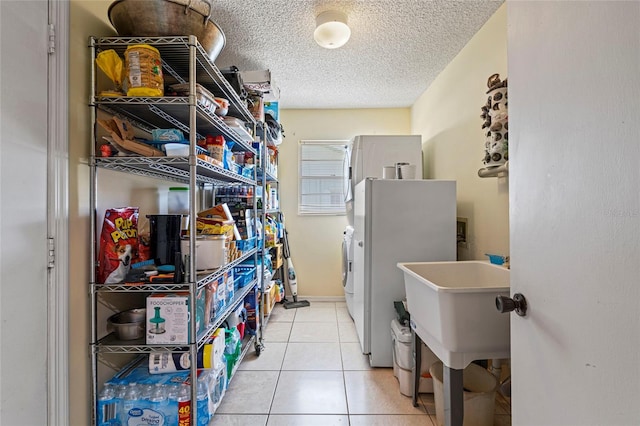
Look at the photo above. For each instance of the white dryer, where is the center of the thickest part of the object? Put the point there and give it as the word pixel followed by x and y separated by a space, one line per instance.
pixel 347 267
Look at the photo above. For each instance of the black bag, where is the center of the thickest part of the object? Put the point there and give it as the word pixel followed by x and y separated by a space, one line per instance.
pixel 232 75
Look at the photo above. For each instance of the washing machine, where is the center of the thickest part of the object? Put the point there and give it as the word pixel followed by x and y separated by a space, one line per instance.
pixel 347 267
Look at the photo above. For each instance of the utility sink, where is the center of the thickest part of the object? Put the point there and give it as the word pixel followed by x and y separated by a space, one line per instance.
pixel 453 309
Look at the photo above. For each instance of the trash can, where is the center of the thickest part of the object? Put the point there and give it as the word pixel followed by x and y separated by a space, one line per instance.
pixel 403 360
pixel 479 394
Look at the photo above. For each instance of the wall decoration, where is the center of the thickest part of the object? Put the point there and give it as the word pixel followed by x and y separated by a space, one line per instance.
pixel 496 122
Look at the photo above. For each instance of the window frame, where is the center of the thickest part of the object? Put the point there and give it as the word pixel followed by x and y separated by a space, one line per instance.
pixel 301 143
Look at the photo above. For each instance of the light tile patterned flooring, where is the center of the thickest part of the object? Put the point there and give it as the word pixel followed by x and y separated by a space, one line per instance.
pixel 312 372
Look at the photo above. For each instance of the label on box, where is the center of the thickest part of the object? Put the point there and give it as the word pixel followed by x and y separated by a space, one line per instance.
pixel 168 319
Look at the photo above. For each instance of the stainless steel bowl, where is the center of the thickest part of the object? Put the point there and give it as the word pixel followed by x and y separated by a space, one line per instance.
pixel 129 325
pixel 159 18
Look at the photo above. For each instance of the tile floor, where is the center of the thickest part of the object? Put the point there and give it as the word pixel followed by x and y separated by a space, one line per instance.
pixel 312 372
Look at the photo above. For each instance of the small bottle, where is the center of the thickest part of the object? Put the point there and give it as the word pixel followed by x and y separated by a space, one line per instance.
pixel 250 196
pixel 203 403
pixel 184 404
pixel 130 401
pixel 107 407
pixel 159 402
pixel 172 404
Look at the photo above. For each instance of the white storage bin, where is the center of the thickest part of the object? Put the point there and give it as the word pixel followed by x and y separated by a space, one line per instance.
pixel 211 252
pixel 176 149
pixel 403 360
pixel 479 395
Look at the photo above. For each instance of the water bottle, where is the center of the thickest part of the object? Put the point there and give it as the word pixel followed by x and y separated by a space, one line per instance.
pixel 184 405
pixel 130 401
pixel 171 417
pixel 145 396
pixel 159 405
pixel 203 403
pixel 107 407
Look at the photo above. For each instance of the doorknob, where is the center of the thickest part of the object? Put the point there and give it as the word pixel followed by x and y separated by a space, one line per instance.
pixel 507 304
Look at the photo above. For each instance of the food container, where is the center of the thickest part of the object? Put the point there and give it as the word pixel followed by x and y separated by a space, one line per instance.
pixel 223 108
pixel 211 252
pixel 204 97
pixel 176 149
pixel 153 18
pixel 233 122
pixel 129 325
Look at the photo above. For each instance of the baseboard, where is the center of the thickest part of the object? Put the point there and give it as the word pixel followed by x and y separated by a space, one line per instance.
pixel 321 298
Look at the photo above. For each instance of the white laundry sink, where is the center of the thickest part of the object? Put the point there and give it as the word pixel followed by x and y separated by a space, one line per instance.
pixel 453 309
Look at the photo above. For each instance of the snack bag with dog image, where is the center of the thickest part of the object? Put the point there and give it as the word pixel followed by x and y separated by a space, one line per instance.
pixel 118 244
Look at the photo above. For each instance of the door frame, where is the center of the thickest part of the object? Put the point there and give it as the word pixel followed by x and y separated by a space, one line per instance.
pixel 58 214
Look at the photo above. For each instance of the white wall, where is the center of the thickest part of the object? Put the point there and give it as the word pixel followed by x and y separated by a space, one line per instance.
pixel 315 241
pixel 448 116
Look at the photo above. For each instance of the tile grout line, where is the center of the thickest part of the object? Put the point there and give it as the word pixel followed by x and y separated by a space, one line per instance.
pixel 344 378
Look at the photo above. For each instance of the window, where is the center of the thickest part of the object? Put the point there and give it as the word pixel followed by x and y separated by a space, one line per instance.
pixel 321 177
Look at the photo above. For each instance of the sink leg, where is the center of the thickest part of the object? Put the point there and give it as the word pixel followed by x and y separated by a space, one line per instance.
pixel 453 397
pixel 417 362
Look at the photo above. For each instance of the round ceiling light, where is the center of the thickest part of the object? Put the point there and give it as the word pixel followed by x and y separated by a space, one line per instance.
pixel 332 30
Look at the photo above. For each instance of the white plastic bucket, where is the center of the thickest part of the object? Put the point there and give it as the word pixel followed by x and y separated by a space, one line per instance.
pixel 479 399
pixel 211 252
pixel 403 361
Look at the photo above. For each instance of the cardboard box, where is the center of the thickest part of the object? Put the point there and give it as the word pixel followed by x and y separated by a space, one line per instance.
pixel 168 319
pixel 269 298
pixel 276 256
pixel 261 81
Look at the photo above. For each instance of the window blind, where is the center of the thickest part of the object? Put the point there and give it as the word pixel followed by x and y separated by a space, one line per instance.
pixel 321 177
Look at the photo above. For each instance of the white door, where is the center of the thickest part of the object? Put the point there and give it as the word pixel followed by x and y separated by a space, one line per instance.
pixel 574 94
pixel 32 356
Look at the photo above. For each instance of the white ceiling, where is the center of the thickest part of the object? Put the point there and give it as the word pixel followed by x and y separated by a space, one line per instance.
pixel 397 47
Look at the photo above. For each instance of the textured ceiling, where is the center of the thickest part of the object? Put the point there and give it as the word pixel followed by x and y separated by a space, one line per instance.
pixel 397 47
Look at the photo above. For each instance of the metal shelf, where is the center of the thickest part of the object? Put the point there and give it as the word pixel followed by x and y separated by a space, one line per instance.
pixel 184 60
pixel 242 293
pixel 109 343
pixel 170 112
pixel 203 279
pixel 172 168
pixel 174 52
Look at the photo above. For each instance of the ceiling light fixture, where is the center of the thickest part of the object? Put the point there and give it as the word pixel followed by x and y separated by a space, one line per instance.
pixel 332 30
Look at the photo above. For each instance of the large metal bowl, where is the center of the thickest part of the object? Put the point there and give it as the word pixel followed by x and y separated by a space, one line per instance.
pixel 129 325
pixel 159 18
